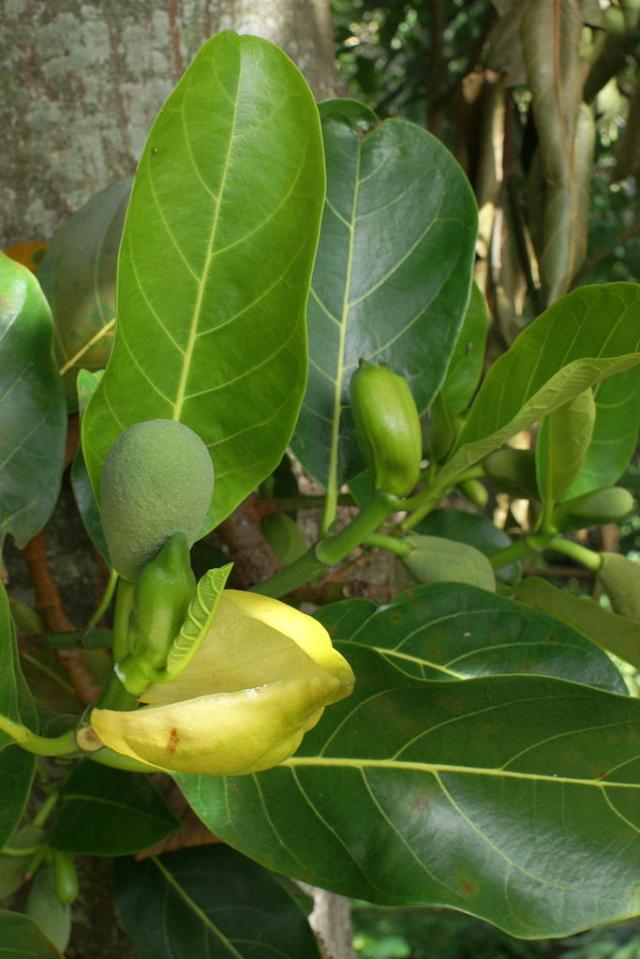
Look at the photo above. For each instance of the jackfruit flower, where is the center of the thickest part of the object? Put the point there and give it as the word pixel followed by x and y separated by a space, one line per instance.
pixel 261 678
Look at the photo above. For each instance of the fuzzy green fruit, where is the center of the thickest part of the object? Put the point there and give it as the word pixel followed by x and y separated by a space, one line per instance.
pixel 620 579
pixel 157 481
pixel 388 428
pixel 434 559
pixel 609 505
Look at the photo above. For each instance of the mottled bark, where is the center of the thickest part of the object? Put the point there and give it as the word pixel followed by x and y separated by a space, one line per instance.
pixel 82 82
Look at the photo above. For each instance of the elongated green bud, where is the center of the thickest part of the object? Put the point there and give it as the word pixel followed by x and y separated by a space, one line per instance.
pixel 387 428
pixel 161 598
pixel 434 559
pixel 475 492
pixel 620 578
pixel 513 471
pixel 609 505
pixel 65 876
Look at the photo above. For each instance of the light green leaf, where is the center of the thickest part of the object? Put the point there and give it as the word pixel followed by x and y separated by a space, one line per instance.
pixel 562 446
pixel 50 915
pixel 615 434
pixel 392 276
pixel 512 798
pixel 618 634
pixel 197 623
pixel 215 266
pixel 33 416
pixel 210 902
pixel 587 336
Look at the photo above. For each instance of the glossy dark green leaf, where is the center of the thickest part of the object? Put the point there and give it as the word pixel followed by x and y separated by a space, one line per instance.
pixel 618 634
pixel 392 275
pixel 210 902
pixel 587 336
pixel 512 798
pixel 33 417
pixel 21 938
pixel 474 529
pixel 16 765
pixel 454 631
pixel 215 266
pixel 615 434
pixel 106 812
pixel 78 276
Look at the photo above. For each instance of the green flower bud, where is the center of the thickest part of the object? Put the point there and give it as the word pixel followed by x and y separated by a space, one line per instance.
pixel 620 579
pixel 388 428
pixel 65 876
pixel 513 471
pixel 157 480
pixel 434 559
pixel 608 505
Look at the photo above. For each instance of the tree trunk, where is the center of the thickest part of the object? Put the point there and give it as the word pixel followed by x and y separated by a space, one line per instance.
pixel 84 80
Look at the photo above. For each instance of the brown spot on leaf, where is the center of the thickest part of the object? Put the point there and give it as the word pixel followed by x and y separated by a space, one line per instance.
pixel 174 739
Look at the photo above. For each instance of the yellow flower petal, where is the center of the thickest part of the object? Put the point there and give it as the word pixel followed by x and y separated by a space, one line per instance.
pixel 224 734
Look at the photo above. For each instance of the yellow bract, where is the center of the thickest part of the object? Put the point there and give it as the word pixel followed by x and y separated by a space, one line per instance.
pixel 260 680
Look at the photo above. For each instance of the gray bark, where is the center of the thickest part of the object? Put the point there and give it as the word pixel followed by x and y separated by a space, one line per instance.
pixel 83 81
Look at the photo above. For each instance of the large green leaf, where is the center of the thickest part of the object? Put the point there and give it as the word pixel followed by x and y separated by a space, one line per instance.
pixel 618 634
pixel 16 765
pixel 21 937
pixel 512 798
pixel 106 812
pixel 78 276
pixel 444 631
pixel 587 336
pixel 392 275
pixel 215 265
pixel 210 901
pixel 33 416
pixel 615 434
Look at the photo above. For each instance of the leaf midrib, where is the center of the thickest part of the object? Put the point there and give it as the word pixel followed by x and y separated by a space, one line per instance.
pixel 443 768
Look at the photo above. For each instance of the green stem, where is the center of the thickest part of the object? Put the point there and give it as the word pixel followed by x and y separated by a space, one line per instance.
pixel 511 554
pixel 115 696
pixel 399 547
pixel 329 552
pixel 64 745
pixel 109 757
pixel 586 557
pixel 105 602
pixel 124 605
pixel 19 853
pixel 46 809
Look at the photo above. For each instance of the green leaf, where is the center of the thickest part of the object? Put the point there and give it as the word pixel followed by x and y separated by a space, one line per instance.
pixel 78 276
pixel 562 445
pixel 215 265
pixel 16 765
pixel 106 812
pixel 587 336
pixel 462 377
pixel 13 867
pixel 33 417
pixel 50 915
pixel 87 384
pixel 444 631
pixel 392 274
pixel 197 623
pixel 474 529
pixel 511 798
pixel 618 634
pixel 210 901
pixel 21 937
pixel 615 434
pixel 285 537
